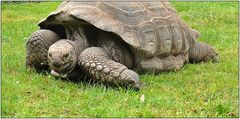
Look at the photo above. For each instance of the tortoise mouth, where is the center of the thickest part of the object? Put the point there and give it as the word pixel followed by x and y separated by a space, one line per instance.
pixel 66 68
pixel 58 75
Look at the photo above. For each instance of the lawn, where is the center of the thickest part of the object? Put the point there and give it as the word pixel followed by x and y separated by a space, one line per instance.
pixel 197 90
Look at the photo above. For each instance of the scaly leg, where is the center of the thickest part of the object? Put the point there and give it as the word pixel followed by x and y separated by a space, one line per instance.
pixel 97 63
pixel 37 48
pixel 202 52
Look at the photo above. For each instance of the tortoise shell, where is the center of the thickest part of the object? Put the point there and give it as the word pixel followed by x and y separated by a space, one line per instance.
pixel 152 28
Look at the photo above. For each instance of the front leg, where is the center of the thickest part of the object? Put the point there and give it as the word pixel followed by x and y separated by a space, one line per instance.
pixel 96 62
pixel 37 48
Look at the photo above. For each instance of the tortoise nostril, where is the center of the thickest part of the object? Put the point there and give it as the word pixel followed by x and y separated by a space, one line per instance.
pixel 66 55
pixel 56 64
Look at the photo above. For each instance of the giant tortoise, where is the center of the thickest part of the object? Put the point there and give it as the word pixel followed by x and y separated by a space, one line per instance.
pixel 112 42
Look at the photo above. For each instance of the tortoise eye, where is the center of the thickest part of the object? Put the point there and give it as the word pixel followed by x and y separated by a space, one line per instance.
pixel 50 54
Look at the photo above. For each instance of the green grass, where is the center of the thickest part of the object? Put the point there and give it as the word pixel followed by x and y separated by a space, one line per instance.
pixel 197 90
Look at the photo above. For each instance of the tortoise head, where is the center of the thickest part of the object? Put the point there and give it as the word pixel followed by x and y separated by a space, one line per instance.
pixel 62 57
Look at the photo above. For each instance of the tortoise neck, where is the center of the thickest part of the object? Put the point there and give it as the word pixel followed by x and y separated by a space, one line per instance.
pixel 78 36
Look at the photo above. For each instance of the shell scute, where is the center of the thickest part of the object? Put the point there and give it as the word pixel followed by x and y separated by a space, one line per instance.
pixel 149 41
